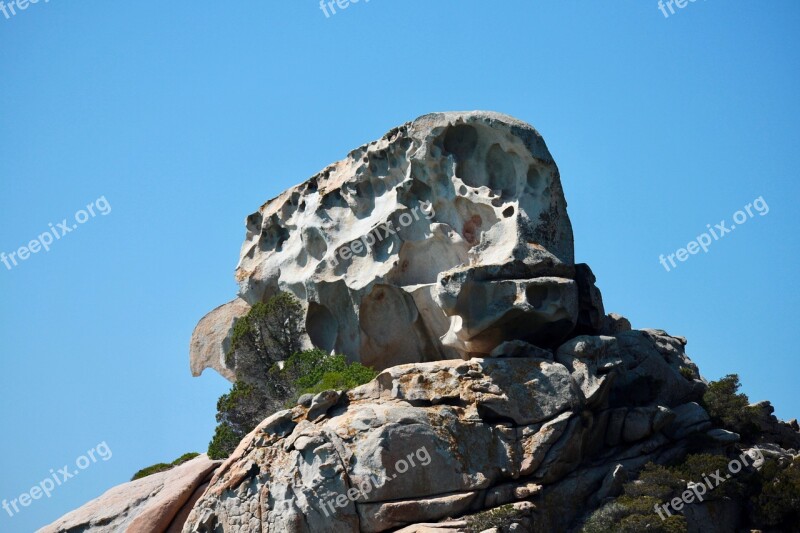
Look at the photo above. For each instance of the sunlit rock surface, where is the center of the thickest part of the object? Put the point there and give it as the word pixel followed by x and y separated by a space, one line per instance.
pixel 472 435
pixel 442 239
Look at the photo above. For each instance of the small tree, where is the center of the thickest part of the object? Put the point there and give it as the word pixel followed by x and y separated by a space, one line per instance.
pixel 272 372
pixel 246 405
pixel 729 408
pixel 633 511
pixel 269 333
pixel 238 413
pixel 778 503
pixel 224 441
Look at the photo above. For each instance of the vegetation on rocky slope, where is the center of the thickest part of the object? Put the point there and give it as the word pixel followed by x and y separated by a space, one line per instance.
pixel 768 497
pixel 272 372
pixel 163 467
pixel 729 408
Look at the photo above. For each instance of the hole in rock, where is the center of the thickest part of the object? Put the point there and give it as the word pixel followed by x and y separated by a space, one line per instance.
pixel 321 326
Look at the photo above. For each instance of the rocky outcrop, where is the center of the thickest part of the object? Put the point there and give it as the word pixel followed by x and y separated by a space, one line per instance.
pixel 156 503
pixel 427 441
pixel 212 337
pixel 441 240
pixel 441 255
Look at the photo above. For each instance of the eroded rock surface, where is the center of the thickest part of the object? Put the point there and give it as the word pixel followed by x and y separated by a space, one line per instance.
pixel 494 430
pixel 441 240
pixel 156 503
pixel 442 255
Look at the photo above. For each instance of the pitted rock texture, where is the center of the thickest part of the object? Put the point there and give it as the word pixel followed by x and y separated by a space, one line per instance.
pixel 441 240
pixel 507 429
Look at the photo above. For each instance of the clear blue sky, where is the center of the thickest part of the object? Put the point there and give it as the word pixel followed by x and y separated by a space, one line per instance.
pixel 187 116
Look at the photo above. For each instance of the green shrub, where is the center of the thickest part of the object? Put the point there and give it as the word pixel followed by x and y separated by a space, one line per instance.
pixel 269 333
pixel 696 467
pixel 497 517
pixel 729 408
pixel 163 467
pixel 184 458
pixel 655 481
pixel 634 510
pixel 605 518
pixel 246 405
pixel 224 442
pixel 688 373
pixel 777 505
pixel 272 372
pixel 315 371
pixel 238 413
pixel 650 522
pixel 150 470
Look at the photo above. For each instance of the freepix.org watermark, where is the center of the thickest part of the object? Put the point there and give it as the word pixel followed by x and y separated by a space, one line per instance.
pixel 383 231
pixel 329 6
pixel 698 490
pixel 704 240
pixel 55 233
pixel 370 483
pixel 663 5
pixel 10 9
pixel 56 479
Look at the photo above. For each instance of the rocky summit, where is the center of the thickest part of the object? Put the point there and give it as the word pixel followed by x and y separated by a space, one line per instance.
pixel 439 241
pixel 507 399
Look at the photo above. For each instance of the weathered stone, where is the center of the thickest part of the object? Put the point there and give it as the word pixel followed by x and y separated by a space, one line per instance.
pixel 153 503
pixel 305 400
pixel 484 313
pixel 422 439
pixel 612 484
pixel 614 324
pixel 520 349
pixel 785 434
pixel 689 418
pixel 588 347
pixel 445 238
pixel 442 256
pixel 376 517
pixel 616 422
pixel 637 424
pixel 723 436
pixel 322 402
pixel 541 389
pixel 566 454
pixel 211 338
pixel 651 371
pixel 449 526
pixel 535 448
pixel 591 313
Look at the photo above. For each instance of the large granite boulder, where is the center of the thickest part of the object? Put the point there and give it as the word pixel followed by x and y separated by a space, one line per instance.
pixel 441 240
pixel 427 441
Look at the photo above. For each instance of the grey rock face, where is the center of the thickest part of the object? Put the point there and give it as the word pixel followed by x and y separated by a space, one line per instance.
pixel 473 434
pixel 441 240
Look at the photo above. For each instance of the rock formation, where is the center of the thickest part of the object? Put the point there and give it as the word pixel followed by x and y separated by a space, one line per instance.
pixel 159 502
pixel 439 241
pixel 441 255
pixel 498 430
